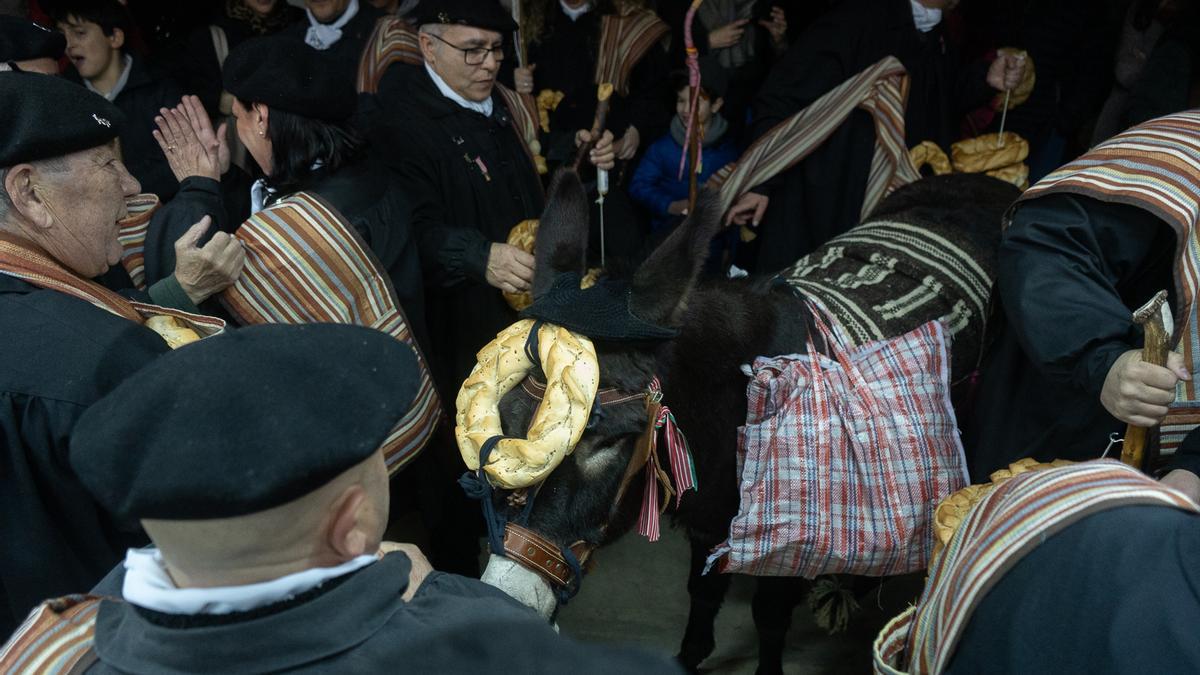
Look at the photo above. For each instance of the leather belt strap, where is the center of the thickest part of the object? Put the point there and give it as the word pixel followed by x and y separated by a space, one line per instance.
pixel 535 553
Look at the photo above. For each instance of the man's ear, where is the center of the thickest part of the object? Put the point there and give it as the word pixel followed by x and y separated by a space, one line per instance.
pixel 117 39
pixel 346 535
pixel 26 197
pixel 426 47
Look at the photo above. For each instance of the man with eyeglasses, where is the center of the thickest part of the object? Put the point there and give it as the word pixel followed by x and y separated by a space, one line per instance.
pixel 449 134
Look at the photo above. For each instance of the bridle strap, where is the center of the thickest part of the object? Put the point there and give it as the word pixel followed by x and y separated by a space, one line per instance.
pixel 536 553
pixel 606 397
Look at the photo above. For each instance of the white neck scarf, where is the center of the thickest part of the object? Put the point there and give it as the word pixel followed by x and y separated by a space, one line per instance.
pixel 925 18
pixel 322 36
pixel 148 585
pixel 483 108
pixel 574 14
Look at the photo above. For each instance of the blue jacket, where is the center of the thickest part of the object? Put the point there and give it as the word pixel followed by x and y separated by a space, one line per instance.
pixel 656 182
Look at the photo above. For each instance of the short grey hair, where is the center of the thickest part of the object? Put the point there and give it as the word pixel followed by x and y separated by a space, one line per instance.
pixel 434 29
pixel 52 165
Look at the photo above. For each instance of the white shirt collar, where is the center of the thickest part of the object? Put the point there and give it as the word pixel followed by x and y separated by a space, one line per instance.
pixel 322 36
pixel 574 14
pixel 925 18
pixel 148 585
pixel 121 81
pixel 484 108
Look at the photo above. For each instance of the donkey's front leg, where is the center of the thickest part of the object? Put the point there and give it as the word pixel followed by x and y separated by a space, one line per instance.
pixel 774 600
pixel 707 593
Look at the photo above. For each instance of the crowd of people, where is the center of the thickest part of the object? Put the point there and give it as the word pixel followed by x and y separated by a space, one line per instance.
pixel 410 137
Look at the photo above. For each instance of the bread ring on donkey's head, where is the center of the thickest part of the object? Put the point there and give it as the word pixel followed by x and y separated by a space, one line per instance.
pixel 572 374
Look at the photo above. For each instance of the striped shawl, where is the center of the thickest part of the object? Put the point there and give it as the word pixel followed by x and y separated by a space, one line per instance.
pixel 304 264
pixel 56 639
pixel 881 90
pixel 1154 167
pixel 624 40
pixel 995 535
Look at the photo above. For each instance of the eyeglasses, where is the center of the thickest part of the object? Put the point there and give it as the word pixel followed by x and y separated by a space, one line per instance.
pixel 475 56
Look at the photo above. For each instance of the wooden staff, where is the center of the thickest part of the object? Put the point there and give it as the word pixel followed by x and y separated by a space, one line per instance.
pixel 518 36
pixel 697 133
pixel 1154 317
pixel 603 97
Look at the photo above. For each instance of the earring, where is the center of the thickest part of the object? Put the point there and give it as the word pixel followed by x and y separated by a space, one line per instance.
pixel 262 134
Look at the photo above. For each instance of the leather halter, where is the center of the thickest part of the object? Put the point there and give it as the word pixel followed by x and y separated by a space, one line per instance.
pixel 537 554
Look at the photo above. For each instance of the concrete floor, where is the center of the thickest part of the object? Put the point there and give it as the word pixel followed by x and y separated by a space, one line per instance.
pixel 637 594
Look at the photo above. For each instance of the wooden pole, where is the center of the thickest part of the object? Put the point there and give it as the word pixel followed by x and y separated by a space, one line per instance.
pixel 1158 343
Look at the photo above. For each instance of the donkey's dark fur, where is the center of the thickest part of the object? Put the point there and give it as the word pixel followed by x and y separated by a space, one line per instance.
pixel 722 325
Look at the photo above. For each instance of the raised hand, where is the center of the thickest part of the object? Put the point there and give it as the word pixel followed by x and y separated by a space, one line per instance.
pixel 186 154
pixel 215 141
pixel 204 271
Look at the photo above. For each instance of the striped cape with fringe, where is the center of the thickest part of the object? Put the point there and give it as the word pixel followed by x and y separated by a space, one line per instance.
pixel 304 264
pixel 1154 167
pixel 624 39
pixel 995 535
pixel 881 90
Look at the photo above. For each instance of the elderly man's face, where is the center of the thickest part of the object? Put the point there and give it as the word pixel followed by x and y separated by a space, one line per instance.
pixel 326 11
pixel 84 202
pixel 446 57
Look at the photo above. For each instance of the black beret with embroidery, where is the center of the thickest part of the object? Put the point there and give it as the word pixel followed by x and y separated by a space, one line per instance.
pixel 243 422
pixel 24 40
pixel 485 14
pixel 289 75
pixel 44 117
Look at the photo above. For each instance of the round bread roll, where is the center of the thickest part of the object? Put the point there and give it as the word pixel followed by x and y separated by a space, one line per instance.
pixel 173 331
pixel 572 379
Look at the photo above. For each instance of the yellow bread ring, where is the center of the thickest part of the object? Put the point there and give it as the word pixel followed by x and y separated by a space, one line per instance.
pixel 985 153
pixel 523 235
pixel 1017 174
pixel 928 152
pixel 572 379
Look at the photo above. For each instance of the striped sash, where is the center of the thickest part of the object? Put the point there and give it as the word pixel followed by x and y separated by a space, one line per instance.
pixel 394 40
pixel 624 40
pixel 995 535
pixel 524 111
pixel 56 639
pixel 305 265
pixel 881 90
pixel 1154 167
pixel 38 269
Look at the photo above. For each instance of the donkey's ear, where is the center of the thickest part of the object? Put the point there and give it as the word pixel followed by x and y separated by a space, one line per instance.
pixel 662 284
pixel 562 234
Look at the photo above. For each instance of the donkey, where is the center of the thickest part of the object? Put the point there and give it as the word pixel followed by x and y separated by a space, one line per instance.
pixel 720 326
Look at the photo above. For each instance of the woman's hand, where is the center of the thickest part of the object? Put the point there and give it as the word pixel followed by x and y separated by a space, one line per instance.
pixel 186 137
pixel 727 35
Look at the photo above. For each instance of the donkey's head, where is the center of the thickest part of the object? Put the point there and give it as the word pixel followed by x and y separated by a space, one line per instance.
pixel 596 492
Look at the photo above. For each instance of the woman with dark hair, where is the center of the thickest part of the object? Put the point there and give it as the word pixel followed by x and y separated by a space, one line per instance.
pixel 292 114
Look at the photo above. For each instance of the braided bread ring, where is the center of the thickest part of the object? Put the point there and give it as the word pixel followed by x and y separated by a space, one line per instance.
pixel 572 379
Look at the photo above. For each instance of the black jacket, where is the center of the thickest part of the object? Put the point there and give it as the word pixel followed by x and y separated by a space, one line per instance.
pixel 345 54
pixel 822 196
pixel 356 623
pixel 469 180
pixel 60 355
pixel 1070 272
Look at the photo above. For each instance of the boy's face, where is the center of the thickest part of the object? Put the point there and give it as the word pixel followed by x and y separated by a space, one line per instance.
pixel 89 48
pixel 683 102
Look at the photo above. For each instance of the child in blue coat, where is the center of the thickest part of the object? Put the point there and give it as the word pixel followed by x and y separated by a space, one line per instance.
pixel 656 183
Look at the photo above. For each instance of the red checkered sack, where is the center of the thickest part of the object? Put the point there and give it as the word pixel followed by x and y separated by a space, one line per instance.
pixel 844 457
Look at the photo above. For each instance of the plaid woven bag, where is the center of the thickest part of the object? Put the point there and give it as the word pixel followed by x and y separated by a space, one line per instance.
pixel 844 457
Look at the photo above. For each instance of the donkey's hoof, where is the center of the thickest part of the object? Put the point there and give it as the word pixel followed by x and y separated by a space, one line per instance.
pixel 690 657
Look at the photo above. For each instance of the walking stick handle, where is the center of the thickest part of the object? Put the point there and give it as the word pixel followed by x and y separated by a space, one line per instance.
pixel 604 94
pixel 1153 317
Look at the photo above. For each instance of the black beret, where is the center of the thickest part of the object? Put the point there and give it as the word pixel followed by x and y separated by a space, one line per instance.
pixel 287 74
pixel 485 14
pixel 243 422
pixel 45 117
pixel 24 40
